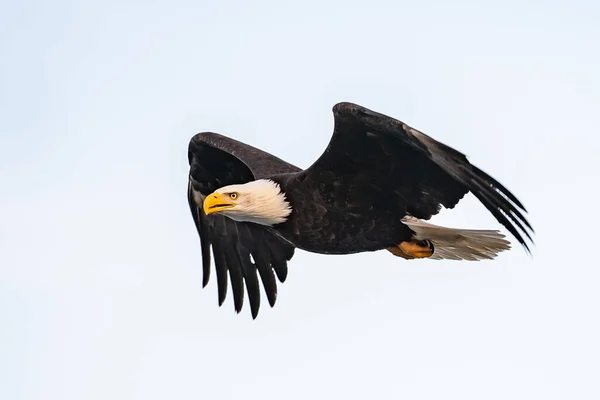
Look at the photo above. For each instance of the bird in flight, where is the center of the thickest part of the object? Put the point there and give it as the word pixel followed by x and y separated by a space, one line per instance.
pixel 373 188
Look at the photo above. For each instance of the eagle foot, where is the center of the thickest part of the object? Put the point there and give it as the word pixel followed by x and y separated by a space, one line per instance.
pixel 413 249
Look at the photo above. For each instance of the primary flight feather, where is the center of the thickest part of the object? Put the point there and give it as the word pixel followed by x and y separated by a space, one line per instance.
pixel 372 189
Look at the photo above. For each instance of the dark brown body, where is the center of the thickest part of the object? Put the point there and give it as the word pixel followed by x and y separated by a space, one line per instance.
pixel 331 221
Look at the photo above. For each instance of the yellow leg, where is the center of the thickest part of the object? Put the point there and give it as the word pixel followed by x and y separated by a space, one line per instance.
pixel 413 249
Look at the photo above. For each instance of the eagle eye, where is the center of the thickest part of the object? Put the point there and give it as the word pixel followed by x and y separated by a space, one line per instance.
pixel 233 196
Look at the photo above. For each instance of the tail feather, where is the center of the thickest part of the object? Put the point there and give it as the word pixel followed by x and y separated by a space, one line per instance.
pixel 458 244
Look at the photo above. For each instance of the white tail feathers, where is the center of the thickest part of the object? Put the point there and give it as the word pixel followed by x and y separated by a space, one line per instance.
pixel 458 244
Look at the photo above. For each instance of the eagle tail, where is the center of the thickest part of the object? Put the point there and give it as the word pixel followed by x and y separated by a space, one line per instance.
pixel 458 244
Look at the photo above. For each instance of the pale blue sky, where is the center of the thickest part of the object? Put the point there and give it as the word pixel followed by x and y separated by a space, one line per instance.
pixel 100 274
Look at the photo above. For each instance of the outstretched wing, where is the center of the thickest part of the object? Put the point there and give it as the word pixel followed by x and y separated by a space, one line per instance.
pixel 240 249
pixel 410 168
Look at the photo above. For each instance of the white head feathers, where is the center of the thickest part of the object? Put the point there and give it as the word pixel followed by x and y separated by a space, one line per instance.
pixel 260 201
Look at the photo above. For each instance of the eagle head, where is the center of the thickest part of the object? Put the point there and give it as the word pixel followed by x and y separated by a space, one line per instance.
pixel 260 201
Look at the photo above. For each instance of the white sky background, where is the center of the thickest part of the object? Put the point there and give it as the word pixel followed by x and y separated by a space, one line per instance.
pixel 100 270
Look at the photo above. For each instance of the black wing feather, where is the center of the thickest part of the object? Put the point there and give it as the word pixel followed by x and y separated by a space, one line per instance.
pixel 252 285
pixel 204 235
pixel 237 278
pixel 262 258
pixel 221 269
pixel 279 259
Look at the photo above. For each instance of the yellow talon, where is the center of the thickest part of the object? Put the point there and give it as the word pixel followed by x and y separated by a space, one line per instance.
pixel 413 249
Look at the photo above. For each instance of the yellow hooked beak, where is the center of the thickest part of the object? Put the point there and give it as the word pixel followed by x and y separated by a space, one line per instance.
pixel 217 202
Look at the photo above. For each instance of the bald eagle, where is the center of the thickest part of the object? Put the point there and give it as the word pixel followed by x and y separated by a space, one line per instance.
pixel 372 189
